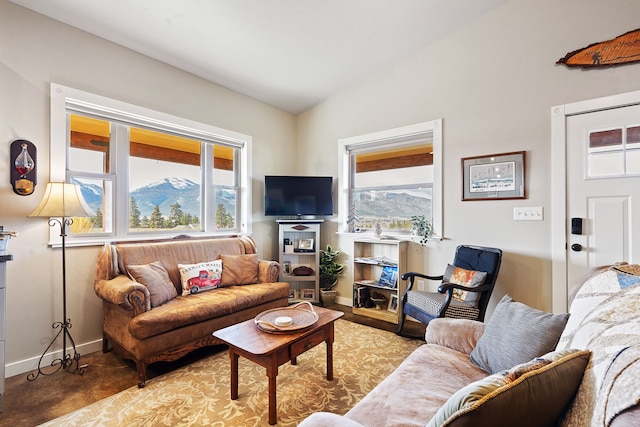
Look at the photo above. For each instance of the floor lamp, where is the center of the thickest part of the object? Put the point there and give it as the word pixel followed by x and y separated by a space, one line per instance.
pixel 60 203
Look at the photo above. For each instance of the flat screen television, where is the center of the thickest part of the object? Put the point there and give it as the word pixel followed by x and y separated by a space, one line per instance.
pixel 298 195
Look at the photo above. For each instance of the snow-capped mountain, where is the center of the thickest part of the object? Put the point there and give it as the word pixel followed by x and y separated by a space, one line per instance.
pixel 163 193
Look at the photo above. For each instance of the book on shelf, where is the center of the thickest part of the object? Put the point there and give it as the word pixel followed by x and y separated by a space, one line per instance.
pixel 360 296
pixel 381 260
pixel 389 276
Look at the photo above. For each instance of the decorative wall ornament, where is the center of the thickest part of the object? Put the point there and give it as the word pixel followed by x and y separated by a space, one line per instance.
pixel 624 49
pixel 23 167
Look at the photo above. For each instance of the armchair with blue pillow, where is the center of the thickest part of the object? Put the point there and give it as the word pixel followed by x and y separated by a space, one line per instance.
pixel 464 292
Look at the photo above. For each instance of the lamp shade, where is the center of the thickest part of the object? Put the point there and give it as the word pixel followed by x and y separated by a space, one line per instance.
pixel 62 199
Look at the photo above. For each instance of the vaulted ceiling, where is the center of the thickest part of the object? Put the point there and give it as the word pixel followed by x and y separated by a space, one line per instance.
pixel 291 54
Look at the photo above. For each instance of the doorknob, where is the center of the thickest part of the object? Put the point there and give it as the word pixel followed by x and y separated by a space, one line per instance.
pixel 576 247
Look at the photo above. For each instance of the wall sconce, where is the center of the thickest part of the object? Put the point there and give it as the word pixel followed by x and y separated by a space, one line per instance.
pixel 23 167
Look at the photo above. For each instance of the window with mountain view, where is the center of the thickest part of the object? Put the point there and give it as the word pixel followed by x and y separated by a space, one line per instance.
pixel 390 186
pixel 391 176
pixel 147 176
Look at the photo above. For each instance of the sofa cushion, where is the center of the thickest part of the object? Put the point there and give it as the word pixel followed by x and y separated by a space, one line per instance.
pixel 239 269
pixel 155 277
pixel 531 394
pixel 515 334
pixel 186 310
pixel 468 278
pixel 200 277
pixel 429 375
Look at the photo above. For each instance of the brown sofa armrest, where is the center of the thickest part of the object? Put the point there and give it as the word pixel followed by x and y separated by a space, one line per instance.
pixel 268 271
pixel 124 292
pixel 457 334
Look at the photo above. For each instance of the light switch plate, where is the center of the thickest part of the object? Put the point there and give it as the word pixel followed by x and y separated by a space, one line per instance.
pixel 528 214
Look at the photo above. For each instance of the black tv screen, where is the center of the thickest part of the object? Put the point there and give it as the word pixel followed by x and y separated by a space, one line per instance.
pixel 298 195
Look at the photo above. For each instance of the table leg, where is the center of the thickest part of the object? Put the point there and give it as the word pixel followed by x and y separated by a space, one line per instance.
pixel 272 373
pixel 329 342
pixel 234 374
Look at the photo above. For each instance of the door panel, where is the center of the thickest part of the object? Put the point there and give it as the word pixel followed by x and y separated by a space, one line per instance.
pixel 603 188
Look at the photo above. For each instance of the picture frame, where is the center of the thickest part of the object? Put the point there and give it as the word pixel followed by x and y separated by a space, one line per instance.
pixel 393 303
pixel 389 276
pixel 494 176
pixel 308 294
pixel 305 245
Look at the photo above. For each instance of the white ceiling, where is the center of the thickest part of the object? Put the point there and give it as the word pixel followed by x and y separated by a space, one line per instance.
pixel 291 54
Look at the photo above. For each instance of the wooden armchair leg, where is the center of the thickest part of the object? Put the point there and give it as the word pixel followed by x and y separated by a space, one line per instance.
pixel 142 373
pixel 401 323
pixel 105 344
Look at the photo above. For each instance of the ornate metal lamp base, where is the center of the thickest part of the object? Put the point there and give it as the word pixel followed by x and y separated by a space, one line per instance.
pixel 70 361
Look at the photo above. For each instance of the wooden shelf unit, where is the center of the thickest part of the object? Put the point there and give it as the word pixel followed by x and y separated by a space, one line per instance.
pixel 290 258
pixel 369 258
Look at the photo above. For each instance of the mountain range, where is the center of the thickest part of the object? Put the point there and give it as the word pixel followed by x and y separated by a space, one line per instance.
pixel 163 193
pixel 166 192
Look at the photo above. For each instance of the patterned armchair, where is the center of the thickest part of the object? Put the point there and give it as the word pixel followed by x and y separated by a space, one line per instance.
pixel 464 292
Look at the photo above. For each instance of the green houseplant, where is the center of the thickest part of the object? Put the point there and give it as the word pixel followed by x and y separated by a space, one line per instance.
pixel 421 227
pixel 330 270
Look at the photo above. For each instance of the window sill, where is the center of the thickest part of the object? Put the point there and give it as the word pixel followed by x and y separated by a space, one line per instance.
pixel 388 236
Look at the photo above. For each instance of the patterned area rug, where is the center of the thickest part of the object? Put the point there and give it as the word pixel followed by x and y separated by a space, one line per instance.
pixel 198 394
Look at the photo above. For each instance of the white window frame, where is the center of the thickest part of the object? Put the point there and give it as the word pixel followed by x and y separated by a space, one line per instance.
pixel 65 99
pixel 387 138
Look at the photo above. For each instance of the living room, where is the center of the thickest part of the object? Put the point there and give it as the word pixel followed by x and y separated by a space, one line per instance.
pixel 492 81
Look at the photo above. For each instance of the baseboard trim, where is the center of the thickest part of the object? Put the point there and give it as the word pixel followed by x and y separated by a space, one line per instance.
pixel 27 365
pixel 344 301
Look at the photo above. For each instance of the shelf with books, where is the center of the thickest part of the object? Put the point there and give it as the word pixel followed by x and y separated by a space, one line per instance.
pixel 376 288
pixel 299 258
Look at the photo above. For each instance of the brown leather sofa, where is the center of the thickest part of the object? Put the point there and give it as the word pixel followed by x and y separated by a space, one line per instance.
pixel 182 324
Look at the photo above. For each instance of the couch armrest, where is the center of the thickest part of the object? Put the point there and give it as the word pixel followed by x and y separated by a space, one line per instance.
pixel 268 271
pixel 123 291
pixel 327 419
pixel 457 334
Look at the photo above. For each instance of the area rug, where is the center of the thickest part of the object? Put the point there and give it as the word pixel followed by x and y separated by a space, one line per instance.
pixel 198 394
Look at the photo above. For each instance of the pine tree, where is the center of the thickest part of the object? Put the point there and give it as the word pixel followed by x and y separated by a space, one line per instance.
pixel 156 220
pixel 224 219
pixel 176 217
pixel 134 214
pixel 97 220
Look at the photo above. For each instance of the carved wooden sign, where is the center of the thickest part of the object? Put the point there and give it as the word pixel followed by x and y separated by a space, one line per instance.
pixel 624 49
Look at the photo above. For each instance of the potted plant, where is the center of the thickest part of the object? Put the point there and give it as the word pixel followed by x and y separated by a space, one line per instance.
pixel 330 270
pixel 421 227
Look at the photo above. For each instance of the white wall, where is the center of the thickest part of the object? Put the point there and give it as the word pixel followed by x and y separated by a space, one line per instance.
pixel 35 51
pixel 492 82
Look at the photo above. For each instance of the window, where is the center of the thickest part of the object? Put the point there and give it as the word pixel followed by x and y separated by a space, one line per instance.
pixel 147 174
pixel 387 177
pixel 614 152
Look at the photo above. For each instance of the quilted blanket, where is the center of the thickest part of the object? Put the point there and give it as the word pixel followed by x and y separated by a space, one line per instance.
pixel 605 318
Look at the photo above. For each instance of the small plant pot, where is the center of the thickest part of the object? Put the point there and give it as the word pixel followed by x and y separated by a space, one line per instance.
pixel 328 297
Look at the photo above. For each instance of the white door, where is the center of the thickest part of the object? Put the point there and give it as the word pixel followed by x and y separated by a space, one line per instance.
pixel 603 189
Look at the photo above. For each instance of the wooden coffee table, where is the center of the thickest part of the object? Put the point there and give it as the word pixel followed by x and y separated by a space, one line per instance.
pixel 271 350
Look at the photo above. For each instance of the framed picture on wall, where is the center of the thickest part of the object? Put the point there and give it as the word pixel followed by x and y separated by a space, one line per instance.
pixel 494 176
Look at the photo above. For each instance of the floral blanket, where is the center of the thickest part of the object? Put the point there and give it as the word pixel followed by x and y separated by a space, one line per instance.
pixel 605 318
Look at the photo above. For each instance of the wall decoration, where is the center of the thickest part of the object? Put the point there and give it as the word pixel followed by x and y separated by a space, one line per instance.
pixel 493 177
pixel 624 49
pixel 23 167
